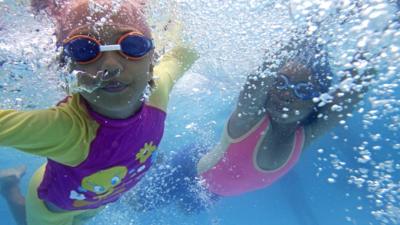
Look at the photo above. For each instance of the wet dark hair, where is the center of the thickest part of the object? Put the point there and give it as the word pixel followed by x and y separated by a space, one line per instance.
pixel 307 52
pixel 315 58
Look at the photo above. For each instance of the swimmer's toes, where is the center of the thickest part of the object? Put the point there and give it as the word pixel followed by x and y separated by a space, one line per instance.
pixel 12 175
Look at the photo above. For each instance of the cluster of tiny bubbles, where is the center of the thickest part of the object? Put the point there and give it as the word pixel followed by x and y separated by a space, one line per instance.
pixel 235 35
pixel 27 55
pixel 163 190
pixel 161 15
pixel 371 28
pixel 112 215
pixel 95 7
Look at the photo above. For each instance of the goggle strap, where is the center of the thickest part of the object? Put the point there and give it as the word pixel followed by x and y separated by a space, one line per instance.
pixel 108 48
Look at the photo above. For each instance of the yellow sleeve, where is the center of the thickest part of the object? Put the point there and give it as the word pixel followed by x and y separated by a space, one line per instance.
pixel 171 67
pixel 62 133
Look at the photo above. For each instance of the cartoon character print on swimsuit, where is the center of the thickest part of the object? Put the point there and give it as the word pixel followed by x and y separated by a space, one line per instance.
pixel 103 184
pixel 107 183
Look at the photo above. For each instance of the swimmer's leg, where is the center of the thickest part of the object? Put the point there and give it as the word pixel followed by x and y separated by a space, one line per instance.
pixel 161 186
pixel 9 189
pixel 297 199
pixel 174 180
pixel 191 196
pixel 156 190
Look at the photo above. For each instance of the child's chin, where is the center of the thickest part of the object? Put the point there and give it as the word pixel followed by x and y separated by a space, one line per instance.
pixel 118 89
pixel 284 118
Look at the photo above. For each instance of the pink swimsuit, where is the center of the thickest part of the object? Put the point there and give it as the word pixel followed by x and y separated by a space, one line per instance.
pixel 237 172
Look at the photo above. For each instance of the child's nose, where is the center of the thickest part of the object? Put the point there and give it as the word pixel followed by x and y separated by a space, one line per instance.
pixel 111 67
pixel 286 96
pixel 110 73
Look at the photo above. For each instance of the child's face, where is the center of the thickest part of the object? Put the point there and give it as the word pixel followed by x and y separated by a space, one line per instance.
pixel 128 78
pixel 282 104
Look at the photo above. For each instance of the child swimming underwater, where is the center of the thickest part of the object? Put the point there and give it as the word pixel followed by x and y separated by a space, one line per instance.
pixel 275 119
pixel 98 143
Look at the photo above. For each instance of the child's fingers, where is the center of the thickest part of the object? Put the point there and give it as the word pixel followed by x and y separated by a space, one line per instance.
pixel 173 32
pixel 166 27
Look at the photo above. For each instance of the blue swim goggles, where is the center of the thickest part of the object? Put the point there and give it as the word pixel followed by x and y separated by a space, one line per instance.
pixel 304 90
pixel 85 49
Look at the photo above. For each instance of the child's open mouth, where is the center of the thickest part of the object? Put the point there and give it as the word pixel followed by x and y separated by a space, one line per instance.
pixel 114 86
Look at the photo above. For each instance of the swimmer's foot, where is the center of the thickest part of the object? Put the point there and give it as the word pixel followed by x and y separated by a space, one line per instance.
pixel 10 177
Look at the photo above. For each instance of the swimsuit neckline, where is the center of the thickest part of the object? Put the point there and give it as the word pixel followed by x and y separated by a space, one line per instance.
pixel 293 151
pixel 109 122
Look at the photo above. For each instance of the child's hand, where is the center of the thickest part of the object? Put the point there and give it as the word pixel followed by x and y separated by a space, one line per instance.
pixel 173 31
pixel 171 35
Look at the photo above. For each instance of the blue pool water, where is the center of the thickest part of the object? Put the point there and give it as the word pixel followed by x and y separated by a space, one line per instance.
pixel 349 176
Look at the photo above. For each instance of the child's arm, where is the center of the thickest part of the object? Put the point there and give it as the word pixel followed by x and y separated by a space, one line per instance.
pixel 171 67
pixel 55 133
pixel 250 108
pixel 343 103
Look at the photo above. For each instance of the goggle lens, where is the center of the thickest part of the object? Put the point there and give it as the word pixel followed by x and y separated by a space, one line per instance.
pixel 305 91
pixel 281 82
pixel 136 46
pixel 81 49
